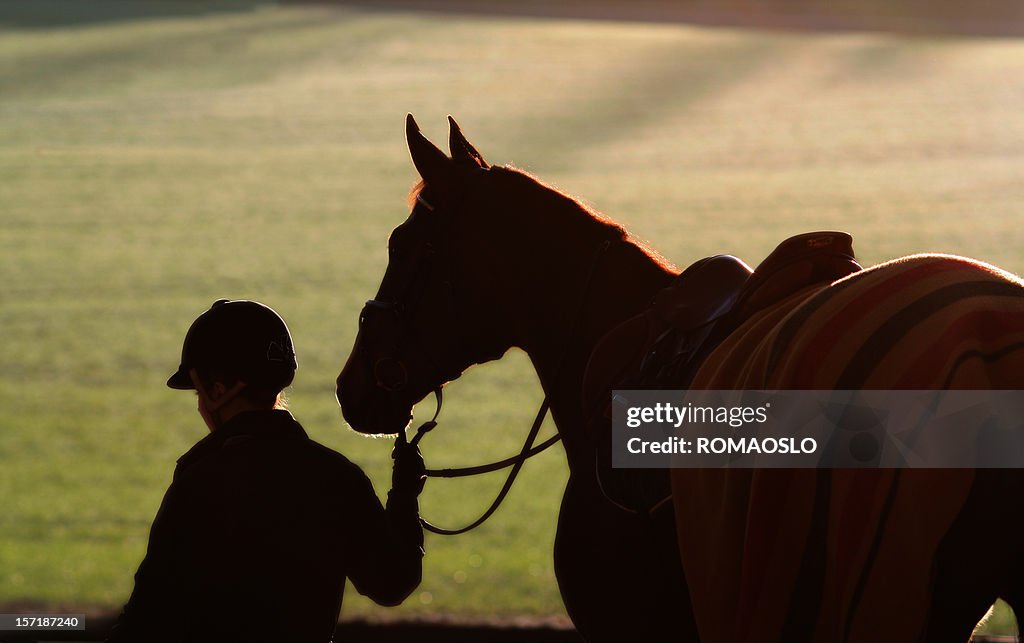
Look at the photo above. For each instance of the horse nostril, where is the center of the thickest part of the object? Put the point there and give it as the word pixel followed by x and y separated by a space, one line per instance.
pixel 390 374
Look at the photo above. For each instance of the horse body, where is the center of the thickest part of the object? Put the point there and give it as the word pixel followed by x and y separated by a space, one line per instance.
pixel 491 259
pixel 861 554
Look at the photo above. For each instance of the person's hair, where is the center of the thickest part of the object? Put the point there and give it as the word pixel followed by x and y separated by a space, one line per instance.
pixel 268 397
pixel 265 397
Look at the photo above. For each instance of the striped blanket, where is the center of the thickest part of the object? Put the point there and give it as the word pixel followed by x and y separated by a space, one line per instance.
pixel 843 555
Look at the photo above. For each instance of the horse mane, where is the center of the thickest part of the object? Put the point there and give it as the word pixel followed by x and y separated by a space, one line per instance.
pixel 567 205
pixel 414 193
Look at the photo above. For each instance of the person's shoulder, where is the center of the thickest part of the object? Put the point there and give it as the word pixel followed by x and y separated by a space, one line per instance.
pixel 187 463
pixel 328 459
pixel 327 455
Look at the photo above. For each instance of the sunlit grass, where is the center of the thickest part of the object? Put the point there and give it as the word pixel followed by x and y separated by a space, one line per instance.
pixel 152 164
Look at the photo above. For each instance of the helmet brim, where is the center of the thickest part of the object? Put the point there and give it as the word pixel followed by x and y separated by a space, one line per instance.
pixel 181 380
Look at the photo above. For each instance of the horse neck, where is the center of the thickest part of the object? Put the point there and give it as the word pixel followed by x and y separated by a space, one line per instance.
pixel 610 286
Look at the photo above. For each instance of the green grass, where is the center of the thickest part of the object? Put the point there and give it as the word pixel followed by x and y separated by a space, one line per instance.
pixel 153 161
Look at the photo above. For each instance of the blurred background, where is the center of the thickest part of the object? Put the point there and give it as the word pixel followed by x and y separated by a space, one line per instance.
pixel 156 156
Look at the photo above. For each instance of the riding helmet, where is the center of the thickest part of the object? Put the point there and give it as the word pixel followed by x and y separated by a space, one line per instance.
pixel 242 339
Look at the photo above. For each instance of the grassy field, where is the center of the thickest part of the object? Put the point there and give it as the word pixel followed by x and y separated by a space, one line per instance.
pixel 153 161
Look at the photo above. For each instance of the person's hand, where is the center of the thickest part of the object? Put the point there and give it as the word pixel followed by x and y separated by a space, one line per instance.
pixel 409 472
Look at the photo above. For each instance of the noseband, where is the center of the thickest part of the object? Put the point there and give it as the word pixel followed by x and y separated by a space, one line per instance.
pixel 391 375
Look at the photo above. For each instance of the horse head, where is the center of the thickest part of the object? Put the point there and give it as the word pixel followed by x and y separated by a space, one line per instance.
pixel 425 325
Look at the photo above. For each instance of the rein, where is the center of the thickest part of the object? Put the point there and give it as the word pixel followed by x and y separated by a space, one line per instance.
pixel 516 462
pixel 462 472
pixel 528 450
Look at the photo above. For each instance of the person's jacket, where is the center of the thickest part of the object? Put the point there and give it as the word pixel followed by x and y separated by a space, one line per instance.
pixel 256 535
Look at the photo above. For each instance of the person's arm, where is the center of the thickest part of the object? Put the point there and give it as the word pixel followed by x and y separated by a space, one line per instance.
pixel 151 612
pixel 387 559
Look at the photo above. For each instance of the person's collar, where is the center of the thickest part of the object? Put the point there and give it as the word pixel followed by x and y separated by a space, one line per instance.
pixel 269 423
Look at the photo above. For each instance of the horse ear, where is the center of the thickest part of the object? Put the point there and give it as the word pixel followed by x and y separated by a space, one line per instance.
pixel 462 150
pixel 430 162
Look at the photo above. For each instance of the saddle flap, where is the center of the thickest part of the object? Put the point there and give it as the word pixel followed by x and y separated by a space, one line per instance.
pixel 612 360
pixel 697 297
pixel 689 311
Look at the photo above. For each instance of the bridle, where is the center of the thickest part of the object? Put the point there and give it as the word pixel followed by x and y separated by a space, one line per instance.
pixel 391 375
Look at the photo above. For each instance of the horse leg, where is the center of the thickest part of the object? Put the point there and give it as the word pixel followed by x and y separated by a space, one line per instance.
pixel 1013 586
pixel 1014 597
pixel 979 558
pixel 619 574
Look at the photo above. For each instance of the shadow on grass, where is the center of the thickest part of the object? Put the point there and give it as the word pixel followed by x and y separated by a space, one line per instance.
pixel 46 14
pixel 978 18
pixel 1003 18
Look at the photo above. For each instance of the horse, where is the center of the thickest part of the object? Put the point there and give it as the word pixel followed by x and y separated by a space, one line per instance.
pixel 491 258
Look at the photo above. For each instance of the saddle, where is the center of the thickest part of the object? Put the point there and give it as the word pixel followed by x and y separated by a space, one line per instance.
pixel 665 345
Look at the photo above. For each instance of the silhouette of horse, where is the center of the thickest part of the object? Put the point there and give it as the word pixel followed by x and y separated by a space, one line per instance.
pixel 491 258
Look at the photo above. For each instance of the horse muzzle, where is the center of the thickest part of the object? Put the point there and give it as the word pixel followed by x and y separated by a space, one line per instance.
pixel 369 407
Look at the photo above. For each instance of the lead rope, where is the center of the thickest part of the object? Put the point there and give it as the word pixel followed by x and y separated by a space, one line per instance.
pixel 517 461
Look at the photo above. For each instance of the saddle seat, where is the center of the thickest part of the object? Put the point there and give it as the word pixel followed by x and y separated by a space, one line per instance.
pixel 663 346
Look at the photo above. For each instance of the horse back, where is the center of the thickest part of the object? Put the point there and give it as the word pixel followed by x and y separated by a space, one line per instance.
pixel 919 322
